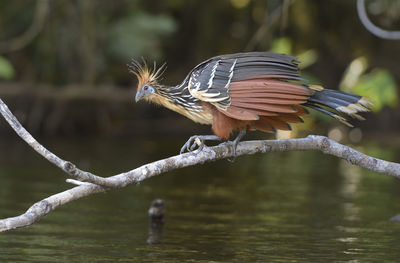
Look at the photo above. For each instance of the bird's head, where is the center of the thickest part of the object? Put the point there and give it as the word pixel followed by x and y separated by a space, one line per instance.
pixel 144 92
pixel 148 86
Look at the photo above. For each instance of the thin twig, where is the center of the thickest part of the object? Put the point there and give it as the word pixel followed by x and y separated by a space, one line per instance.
pixel 66 166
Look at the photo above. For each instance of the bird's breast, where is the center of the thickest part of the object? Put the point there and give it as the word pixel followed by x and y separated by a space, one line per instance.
pixel 193 110
pixel 197 112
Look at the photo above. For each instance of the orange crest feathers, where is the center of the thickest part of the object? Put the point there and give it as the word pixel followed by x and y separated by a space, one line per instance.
pixel 145 74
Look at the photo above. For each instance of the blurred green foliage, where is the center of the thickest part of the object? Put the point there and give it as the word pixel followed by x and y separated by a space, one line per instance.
pixel 90 42
pixel 140 35
pixel 284 45
pixel 6 69
pixel 281 45
pixel 379 86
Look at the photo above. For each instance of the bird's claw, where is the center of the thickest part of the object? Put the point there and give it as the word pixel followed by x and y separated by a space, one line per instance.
pixel 234 145
pixel 192 143
pixel 197 141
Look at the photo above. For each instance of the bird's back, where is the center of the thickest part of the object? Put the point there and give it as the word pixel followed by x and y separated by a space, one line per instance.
pixel 256 90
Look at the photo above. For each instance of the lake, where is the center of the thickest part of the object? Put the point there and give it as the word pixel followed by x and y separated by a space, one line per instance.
pixel 278 207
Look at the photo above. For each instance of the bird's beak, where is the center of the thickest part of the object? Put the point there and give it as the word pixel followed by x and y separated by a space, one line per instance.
pixel 139 95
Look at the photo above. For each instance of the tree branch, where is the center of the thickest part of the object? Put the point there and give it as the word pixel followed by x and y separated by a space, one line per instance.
pixel 66 166
pixel 99 184
pixel 371 27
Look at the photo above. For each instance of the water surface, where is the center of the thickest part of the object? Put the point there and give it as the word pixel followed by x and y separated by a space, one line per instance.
pixel 280 207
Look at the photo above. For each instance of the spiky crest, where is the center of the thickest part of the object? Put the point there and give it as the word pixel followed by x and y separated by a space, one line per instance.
pixel 146 74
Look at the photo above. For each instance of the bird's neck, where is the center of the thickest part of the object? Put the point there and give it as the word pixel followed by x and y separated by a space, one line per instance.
pixel 179 99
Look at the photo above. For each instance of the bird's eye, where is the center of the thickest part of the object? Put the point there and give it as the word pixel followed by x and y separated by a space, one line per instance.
pixel 146 87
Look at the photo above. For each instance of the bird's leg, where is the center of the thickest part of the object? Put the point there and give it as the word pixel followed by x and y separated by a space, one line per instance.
pixel 198 141
pixel 235 142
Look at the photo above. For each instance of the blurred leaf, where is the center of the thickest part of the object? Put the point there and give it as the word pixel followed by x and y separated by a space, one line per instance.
pixel 281 45
pixel 6 69
pixel 352 73
pixel 140 35
pixel 379 86
pixel 307 58
pixel 284 46
pixel 240 3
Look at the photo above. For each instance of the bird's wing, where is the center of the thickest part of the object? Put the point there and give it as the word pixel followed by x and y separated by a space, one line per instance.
pixel 211 80
pixel 265 97
pixel 252 87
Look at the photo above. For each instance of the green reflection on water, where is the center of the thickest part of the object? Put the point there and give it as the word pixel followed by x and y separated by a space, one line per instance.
pixel 280 207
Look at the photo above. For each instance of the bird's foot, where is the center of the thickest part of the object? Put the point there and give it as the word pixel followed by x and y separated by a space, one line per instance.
pixel 197 141
pixel 235 143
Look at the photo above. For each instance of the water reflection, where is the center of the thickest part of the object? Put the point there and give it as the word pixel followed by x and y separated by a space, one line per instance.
pixel 279 207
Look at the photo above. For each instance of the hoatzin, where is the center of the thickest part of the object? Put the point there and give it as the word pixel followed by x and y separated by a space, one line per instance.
pixel 244 91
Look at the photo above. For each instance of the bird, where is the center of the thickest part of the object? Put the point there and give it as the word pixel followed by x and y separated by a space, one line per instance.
pixel 244 91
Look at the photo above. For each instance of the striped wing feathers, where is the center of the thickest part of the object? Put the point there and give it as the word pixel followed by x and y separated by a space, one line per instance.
pixel 252 87
pixel 211 80
pixel 210 83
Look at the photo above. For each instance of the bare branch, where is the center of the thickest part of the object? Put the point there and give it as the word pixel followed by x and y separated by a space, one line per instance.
pixel 377 31
pixel 208 154
pixel 66 166
pixel 42 208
